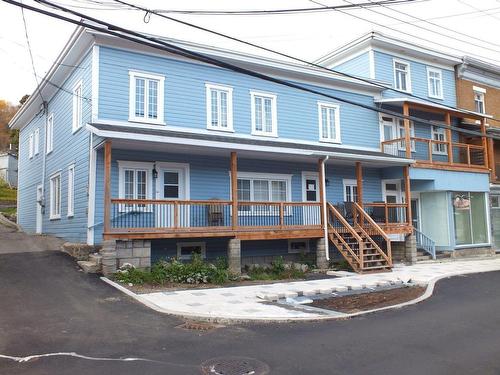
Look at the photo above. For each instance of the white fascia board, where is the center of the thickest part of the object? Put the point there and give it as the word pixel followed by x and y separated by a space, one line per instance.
pixel 186 130
pixel 243 147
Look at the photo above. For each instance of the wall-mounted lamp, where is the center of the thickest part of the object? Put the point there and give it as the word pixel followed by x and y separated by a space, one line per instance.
pixel 155 172
pixel 327 182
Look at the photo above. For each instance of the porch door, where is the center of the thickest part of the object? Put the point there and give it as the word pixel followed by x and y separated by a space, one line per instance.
pixel 389 131
pixel 415 211
pixel 39 216
pixel 170 185
pixel 310 189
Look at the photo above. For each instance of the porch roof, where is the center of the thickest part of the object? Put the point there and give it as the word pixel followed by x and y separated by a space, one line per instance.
pixel 181 139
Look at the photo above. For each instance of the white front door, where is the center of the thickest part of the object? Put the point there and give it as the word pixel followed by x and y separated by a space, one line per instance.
pixel 39 217
pixel 310 193
pixel 391 189
pixel 171 185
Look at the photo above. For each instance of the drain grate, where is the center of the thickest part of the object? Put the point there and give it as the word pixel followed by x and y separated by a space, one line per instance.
pixel 234 366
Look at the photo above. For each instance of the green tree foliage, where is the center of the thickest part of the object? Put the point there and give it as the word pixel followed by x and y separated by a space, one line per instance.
pixel 7 111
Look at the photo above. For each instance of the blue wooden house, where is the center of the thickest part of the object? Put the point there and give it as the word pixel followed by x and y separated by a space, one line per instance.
pixel 153 155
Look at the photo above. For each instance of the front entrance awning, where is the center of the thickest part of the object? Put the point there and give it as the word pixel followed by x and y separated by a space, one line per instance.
pixel 156 137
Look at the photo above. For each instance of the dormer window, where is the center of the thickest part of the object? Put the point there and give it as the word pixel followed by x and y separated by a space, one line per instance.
pixel 146 97
pixel 402 80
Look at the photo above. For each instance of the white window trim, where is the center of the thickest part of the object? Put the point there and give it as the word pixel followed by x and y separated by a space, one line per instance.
pixel 438 130
pixel 77 121
pixel 30 145
pixel 229 90
pixel 147 166
pixel 429 92
pixel 161 92
pixel 71 192
pixel 292 251
pixel 181 167
pixel 36 142
pixel 408 76
pixel 348 182
pixel 306 175
pixel 49 140
pixel 337 138
pixel 483 96
pixel 274 115
pixel 180 245
pixel 479 89
pixel 53 216
pixel 400 126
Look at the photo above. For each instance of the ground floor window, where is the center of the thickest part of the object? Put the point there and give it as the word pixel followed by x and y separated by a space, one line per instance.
pixel 470 220
pixel 55 196
pixel 298 246
pixel 350 191
pixel 495 218
pixel 185 250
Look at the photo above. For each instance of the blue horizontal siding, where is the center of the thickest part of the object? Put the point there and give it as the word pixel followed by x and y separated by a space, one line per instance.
pixel 384 71
pixel 359 66
pixel 185 104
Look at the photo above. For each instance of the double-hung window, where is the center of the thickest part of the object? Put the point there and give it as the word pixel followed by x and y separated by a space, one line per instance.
pixel 77 106
pixel 71 190
pixel 36 142
pixel 135 182
pixel 146 97
pixel 219 107
pixel 350 190
pixel 30 145
pixel 264 116
pixel 55 196
pixel 479 100
pixel 329 122
pixel 439 134
pixel 402 78
pixel 49 136
pixel 257 187
pixel 435 83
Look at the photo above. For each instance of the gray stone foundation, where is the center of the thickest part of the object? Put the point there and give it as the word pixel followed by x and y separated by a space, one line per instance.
pixel 405 251
pixel 234 256
pixel 473 252
pixel 108 253
pixel 134 252
pixel 321 261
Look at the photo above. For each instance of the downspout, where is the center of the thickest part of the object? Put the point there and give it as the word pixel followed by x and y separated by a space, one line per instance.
pixel 325 215
pixel 44 161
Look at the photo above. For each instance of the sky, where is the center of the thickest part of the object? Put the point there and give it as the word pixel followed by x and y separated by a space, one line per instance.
pixel 455 26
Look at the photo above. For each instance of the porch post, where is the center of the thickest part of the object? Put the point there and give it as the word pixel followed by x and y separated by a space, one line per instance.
pixel 234 189
pixel 359 182
pixel 322 246
pixel 484 142
pixel 321 176
pixel 107 186
pixel 406 175
pixel 448 137
pixel 406 112
pixel 491 158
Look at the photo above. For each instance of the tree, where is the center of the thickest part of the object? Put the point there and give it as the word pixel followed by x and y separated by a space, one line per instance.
pixel 7 111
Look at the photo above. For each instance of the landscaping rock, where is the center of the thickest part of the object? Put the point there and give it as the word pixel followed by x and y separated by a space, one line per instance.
pixel 88 267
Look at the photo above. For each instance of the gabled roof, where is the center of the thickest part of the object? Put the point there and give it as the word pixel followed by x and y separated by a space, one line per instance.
pixel 377 40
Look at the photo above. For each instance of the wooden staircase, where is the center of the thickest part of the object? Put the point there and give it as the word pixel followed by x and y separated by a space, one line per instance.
pixel 363 243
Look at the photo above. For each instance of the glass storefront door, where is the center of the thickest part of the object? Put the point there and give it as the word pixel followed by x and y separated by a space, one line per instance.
pixel 469 213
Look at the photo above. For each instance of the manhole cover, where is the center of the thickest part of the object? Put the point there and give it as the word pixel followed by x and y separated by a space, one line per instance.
pixel 234 366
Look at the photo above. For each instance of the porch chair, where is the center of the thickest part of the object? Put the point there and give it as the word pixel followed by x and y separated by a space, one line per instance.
pixel 215 215
pixel 378 213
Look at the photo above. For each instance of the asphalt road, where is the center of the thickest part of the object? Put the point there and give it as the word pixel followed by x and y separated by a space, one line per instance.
pixel 48 306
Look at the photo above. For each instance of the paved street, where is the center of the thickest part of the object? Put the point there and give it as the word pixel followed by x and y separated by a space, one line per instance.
pixel 48 306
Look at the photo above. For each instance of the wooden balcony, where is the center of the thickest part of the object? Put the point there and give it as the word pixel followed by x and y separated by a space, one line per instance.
pixel 439 154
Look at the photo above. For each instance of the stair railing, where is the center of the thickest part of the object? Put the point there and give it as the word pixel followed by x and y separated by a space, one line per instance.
pixel 337 224
pixel 369 227
pixel 425 243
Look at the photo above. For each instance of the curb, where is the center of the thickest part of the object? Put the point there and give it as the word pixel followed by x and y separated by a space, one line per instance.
pixel 338 316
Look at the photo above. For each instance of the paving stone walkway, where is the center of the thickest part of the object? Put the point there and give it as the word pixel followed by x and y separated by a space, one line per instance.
pixel 258 302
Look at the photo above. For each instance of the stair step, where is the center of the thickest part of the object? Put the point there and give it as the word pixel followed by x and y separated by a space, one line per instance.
pixel 96 258
pixel 88 266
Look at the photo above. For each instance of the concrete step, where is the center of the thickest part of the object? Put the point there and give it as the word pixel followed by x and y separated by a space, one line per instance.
pixel 88 266
pixel 421 258
pixel 96 258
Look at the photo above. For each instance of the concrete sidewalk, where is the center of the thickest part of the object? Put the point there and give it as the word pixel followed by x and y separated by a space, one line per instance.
pixel 258 302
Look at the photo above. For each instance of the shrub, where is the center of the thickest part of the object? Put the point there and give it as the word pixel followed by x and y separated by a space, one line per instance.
pixel 277 271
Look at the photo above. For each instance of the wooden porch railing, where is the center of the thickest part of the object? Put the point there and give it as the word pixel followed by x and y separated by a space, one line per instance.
pixel 369 228
pixel 197 215
pixel 389 216
pixel 436 152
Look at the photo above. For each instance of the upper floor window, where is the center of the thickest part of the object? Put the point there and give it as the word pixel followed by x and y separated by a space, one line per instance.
pixel 146 97
pixel 77 106
pixel 479 99
pixel 55 196
pixel 439 134
pixel 30 145
pixel 402 79
pixel 329 122
pixel 219 107
pixel 49 136
pixel 36 142
pixel 394 128
pixel 264 116
pixel 435 83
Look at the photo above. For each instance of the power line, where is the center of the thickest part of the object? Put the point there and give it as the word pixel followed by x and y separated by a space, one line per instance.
pixel 478 9
pixel 160 44
pixel 278 53
pixel 437 25
pixel 434 32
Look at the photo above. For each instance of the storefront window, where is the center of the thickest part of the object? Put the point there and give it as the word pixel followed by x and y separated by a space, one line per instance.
pixel 469 211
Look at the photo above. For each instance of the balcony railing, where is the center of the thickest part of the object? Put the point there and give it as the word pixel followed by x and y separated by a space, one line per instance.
pixel 392 217
pixel 144 215
pixel 436 152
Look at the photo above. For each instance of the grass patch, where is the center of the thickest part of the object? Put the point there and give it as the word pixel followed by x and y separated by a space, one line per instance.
pixel 277 271
pixel 8 211
pixel 7 194
pixel 173 271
